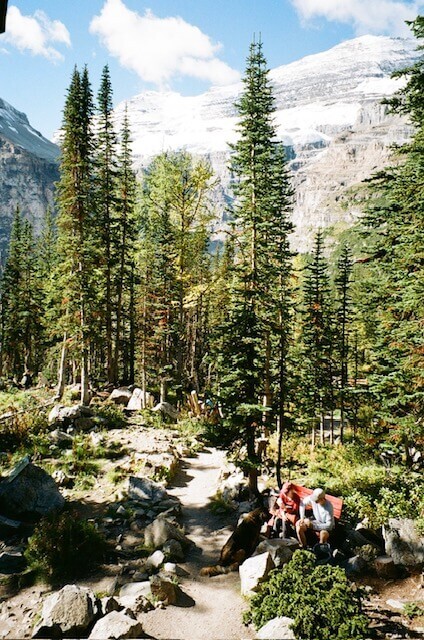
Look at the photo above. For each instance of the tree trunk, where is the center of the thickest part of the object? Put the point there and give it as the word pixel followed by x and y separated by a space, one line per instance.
pixel 62 368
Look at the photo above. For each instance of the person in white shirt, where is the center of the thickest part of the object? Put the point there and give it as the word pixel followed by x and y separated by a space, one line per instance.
pixel 322 519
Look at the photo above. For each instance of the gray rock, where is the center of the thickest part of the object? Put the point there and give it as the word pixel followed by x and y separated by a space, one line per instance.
pixel 167 410
pixel 60 437
pixel 277 629
pixel 28 489
pixel 155 560
pixel 173 550
pixel 108 604
pixel 254 571
pixel 67 613
pixel 121 396
pixel 66 416
pixel 164 590
pixel 135 403
pixel 12 562
pixel 84 423
pixel 280 552
pixel 143 489
pixel 137 604
pixel 134 589
pixel 117 626
pixel 9 526
pixel 62 479
pixel 160 531
pixel 404 543
pixel 385 567
pixel 398 605
pixel 355 565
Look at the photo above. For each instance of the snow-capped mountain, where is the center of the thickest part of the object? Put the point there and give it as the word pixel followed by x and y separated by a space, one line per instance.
pixel 329 115
pixel 28 170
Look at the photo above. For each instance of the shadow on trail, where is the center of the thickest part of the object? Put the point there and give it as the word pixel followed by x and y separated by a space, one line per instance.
pixel 182 478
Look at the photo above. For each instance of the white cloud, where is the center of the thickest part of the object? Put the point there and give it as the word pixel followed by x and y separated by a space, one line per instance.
pixel 35 34
pixel 365 16
pixel 159 49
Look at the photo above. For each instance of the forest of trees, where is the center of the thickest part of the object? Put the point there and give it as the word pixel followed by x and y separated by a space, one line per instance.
pixel 122 285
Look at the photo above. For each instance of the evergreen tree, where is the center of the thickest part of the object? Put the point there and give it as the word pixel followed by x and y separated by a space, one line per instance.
pixel 76 223
pixel 47 261
pixel 21 302
pixel 317 338
pixel 12 329
pixel 106 202
pixel 260 271
pixel 343 315
pixel 125 238
pixel 393 292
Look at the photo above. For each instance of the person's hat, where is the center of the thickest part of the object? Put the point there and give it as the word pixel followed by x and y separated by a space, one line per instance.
pixel 317 494
pixel 286 487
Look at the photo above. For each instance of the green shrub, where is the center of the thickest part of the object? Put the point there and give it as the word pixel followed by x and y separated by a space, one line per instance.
pixel 20 431
pixel 64 547
pixel 111 414
pixel 413 610
pixel 320 599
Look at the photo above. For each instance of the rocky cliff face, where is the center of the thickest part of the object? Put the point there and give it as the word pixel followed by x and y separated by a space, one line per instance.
pixel 28 171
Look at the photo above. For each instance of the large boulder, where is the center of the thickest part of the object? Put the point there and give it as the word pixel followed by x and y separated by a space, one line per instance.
pixel 280 551
pixel 68 613
pixel 166 410
pixel 29 491
pixel 145 490
pixel 121 396
pixel 254 571
pixel 173 550
pixel 160 531
pixel 135 589
pixel 276 629
pixel 66 416
pixel 404 543
pixel 117 625
pixel 13 562
pixel 136 401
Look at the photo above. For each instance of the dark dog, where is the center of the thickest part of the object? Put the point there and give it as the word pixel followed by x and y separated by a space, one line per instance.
pixel 241 544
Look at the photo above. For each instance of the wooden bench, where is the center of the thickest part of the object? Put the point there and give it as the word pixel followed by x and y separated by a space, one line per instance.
pixel 337 503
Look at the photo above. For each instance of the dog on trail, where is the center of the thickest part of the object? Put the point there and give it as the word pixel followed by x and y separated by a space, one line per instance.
pixel 240 545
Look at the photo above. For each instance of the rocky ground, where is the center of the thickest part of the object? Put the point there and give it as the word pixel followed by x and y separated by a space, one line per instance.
pixel 206 607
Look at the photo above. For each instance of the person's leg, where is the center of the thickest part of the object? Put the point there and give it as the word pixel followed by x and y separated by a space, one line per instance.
pixel 323 536
pixel 301 533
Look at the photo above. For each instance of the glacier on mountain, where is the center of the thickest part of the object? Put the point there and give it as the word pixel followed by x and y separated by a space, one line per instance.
pixel 328 114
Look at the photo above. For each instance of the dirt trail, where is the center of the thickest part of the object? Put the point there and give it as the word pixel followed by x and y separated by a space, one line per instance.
pixel 214 605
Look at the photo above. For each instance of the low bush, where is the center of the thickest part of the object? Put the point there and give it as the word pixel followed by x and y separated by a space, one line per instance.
pixel 111 414
pixel 21 430
pixel 64 547
pixel 320 599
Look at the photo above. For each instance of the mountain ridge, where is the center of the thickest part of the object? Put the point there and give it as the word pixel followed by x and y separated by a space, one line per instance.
pixel 328 114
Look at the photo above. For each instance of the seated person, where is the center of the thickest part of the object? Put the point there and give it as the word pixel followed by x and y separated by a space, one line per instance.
pixel 285 510
pixel 321 521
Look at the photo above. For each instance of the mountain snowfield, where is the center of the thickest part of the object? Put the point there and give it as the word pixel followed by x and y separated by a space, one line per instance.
pixel 328 115
pixel 322 90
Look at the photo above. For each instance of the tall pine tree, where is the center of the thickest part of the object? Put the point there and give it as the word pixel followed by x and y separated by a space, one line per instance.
pixel 76 225
pixel 260 273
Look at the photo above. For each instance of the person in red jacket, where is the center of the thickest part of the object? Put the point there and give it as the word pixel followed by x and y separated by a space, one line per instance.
pixel 285 510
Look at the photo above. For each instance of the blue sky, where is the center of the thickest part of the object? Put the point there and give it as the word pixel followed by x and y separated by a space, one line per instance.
pixel 180 45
